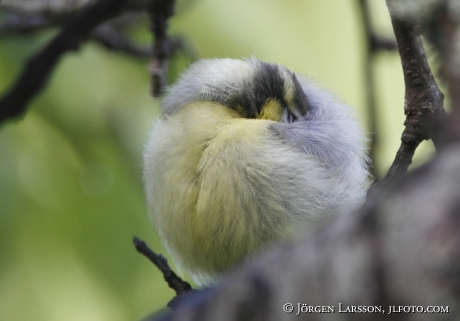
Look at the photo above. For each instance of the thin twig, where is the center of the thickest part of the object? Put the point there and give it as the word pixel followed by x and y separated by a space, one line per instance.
pixel 159 11
pixel 182 288
pixel 174 282
pixel 370 86
pixel 374 44
pixel 115 40
pixel 108 34
pixel 58 9
pixel 440 24
pixel 443 30
pixel 423 99
pixel 38 69
pixel 17 24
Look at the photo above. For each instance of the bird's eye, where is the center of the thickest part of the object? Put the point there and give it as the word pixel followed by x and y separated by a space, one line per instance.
pixel 289 116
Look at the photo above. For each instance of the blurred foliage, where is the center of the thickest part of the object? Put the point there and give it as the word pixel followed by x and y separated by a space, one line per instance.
pixel 71 193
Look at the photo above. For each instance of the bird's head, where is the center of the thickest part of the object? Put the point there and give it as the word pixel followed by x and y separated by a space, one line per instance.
pixel 255 89
pixel 272 92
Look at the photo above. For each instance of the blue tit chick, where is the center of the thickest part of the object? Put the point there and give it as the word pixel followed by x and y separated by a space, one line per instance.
pixel 244 153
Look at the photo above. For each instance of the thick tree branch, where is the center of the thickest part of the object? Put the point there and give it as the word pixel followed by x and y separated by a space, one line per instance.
pixel 38 69
pixel 423 99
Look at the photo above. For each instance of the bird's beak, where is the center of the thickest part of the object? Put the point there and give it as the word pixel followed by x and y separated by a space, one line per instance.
pixel 271 110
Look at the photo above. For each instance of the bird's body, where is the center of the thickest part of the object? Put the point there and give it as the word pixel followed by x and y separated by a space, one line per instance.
pixel 244 153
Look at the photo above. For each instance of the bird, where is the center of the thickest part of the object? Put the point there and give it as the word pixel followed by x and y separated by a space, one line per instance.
pixel 244 154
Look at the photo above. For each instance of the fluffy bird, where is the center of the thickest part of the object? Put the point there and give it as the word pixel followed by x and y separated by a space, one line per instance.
pixel 244 153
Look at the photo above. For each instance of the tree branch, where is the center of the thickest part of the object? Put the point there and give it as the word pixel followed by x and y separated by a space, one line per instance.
pixel 57 9
pixel 369 84
pixel 38 69
pixel 423 99
pixel 159 11
pixel 443 30
pixel 374 44
pixel 19 24
pixel 183 289
pixel 112 39
pixel 107 34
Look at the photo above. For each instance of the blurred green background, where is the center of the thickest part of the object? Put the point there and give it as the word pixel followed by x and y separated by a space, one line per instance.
pixel 71 194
